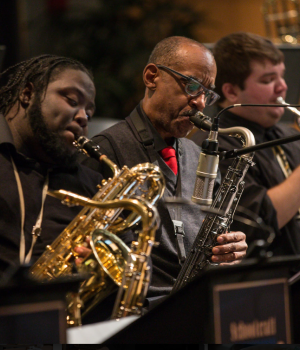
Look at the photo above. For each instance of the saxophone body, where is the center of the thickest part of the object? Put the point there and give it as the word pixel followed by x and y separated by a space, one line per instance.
pixel 136 190
pixel 226 200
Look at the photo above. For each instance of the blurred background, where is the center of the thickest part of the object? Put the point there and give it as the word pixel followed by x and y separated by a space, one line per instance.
pixel 115 37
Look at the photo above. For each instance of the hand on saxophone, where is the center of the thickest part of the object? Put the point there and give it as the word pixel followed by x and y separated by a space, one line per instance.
pixel 83 251
pixel 231 249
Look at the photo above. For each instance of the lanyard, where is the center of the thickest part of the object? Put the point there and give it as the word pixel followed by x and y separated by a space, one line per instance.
pixel 284 165
pixel 36 230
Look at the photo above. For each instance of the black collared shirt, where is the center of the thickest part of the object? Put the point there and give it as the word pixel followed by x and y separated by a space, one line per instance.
pixel 57 216
pixel 159 142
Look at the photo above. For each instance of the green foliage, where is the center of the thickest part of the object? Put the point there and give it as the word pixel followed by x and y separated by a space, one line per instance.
pixel 116 40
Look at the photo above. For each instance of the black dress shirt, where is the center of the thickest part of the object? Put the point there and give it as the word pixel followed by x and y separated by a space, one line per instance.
pixel 56 217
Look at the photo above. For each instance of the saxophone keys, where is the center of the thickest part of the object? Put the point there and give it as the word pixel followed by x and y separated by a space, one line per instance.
pixel 49 249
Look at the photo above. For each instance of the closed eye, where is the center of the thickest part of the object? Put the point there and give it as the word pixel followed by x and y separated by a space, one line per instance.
pixel 193 86
pixel 89 111
pixel 267 81
pixel 72 102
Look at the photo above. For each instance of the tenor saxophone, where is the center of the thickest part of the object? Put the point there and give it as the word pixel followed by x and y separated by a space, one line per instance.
pixel 136 190
pixel 226 200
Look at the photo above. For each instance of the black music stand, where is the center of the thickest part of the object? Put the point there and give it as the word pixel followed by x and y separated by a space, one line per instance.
pixel 244 303
pixel 294 283
pixel 32 312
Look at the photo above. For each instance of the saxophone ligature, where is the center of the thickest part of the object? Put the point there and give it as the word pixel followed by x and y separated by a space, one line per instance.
pixel 136 190
pixel 226 200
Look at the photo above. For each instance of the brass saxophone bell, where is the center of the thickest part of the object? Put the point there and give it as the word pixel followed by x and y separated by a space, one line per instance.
pixel 110 252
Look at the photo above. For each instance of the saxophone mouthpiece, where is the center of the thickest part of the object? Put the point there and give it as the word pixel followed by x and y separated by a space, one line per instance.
pixel 292 109
pixel 281 100
pixel 201 121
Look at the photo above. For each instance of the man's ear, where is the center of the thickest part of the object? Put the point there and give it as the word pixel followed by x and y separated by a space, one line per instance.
pixel 149 76
pixel 27 95
pixel 231 92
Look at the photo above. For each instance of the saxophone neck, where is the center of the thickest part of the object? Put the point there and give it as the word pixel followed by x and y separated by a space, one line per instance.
pixel 241 133
pixel 204 123
pixel 91 149
pixel 113 167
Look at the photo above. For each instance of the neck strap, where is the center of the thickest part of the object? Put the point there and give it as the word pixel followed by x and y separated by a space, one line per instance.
pixel 36 230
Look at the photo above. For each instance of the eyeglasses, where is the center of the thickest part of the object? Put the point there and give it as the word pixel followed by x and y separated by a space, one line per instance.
pixel 194 88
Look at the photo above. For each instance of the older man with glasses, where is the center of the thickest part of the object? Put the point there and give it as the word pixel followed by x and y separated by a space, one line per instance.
pixel 194 88
pixel 179 79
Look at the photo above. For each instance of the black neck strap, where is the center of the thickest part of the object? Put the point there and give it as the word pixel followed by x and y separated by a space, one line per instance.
pixel 137 122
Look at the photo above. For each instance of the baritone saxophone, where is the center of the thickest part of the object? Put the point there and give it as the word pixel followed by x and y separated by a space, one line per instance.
pixel 226 200
pixel 136 190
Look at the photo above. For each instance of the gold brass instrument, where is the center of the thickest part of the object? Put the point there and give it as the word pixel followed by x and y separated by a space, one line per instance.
pixel 136 189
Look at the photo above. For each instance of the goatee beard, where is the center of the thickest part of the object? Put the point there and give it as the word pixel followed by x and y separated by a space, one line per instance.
pixel 53 146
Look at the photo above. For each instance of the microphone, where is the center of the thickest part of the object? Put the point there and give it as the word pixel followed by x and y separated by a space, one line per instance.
pixel 208 161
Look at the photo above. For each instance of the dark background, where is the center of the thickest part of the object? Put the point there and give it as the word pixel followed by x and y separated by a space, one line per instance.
pixel 113 38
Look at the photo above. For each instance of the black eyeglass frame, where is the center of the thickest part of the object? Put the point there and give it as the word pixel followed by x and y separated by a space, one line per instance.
pixel 205 91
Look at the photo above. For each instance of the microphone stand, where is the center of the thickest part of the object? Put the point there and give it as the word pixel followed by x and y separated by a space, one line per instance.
pixel 205 124
pixel 239 152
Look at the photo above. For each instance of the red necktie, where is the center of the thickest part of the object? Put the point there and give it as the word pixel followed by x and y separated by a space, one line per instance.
pixel 169 156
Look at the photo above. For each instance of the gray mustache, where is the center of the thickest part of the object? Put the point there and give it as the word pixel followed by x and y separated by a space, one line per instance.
pixel 190 113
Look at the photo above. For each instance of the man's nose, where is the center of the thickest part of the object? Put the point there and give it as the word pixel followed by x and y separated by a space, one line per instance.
pixel 198 102
pixel 81 118
pixel 281 86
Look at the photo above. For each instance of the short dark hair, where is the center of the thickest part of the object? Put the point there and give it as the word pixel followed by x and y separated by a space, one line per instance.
pixel 234 54
pixel 39 71
pixel 165 52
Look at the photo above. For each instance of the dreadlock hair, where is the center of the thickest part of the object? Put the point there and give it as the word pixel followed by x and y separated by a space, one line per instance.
pixel 39 71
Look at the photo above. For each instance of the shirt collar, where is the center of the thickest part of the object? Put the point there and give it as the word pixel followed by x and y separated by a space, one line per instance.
pixel 5 133
pixel 159 142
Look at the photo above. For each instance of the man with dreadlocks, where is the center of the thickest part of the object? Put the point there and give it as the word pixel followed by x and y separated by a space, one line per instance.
pixel 45 103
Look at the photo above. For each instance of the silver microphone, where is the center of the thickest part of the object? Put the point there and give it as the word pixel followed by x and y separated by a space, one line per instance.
pixel 208 162
pixel 205 180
